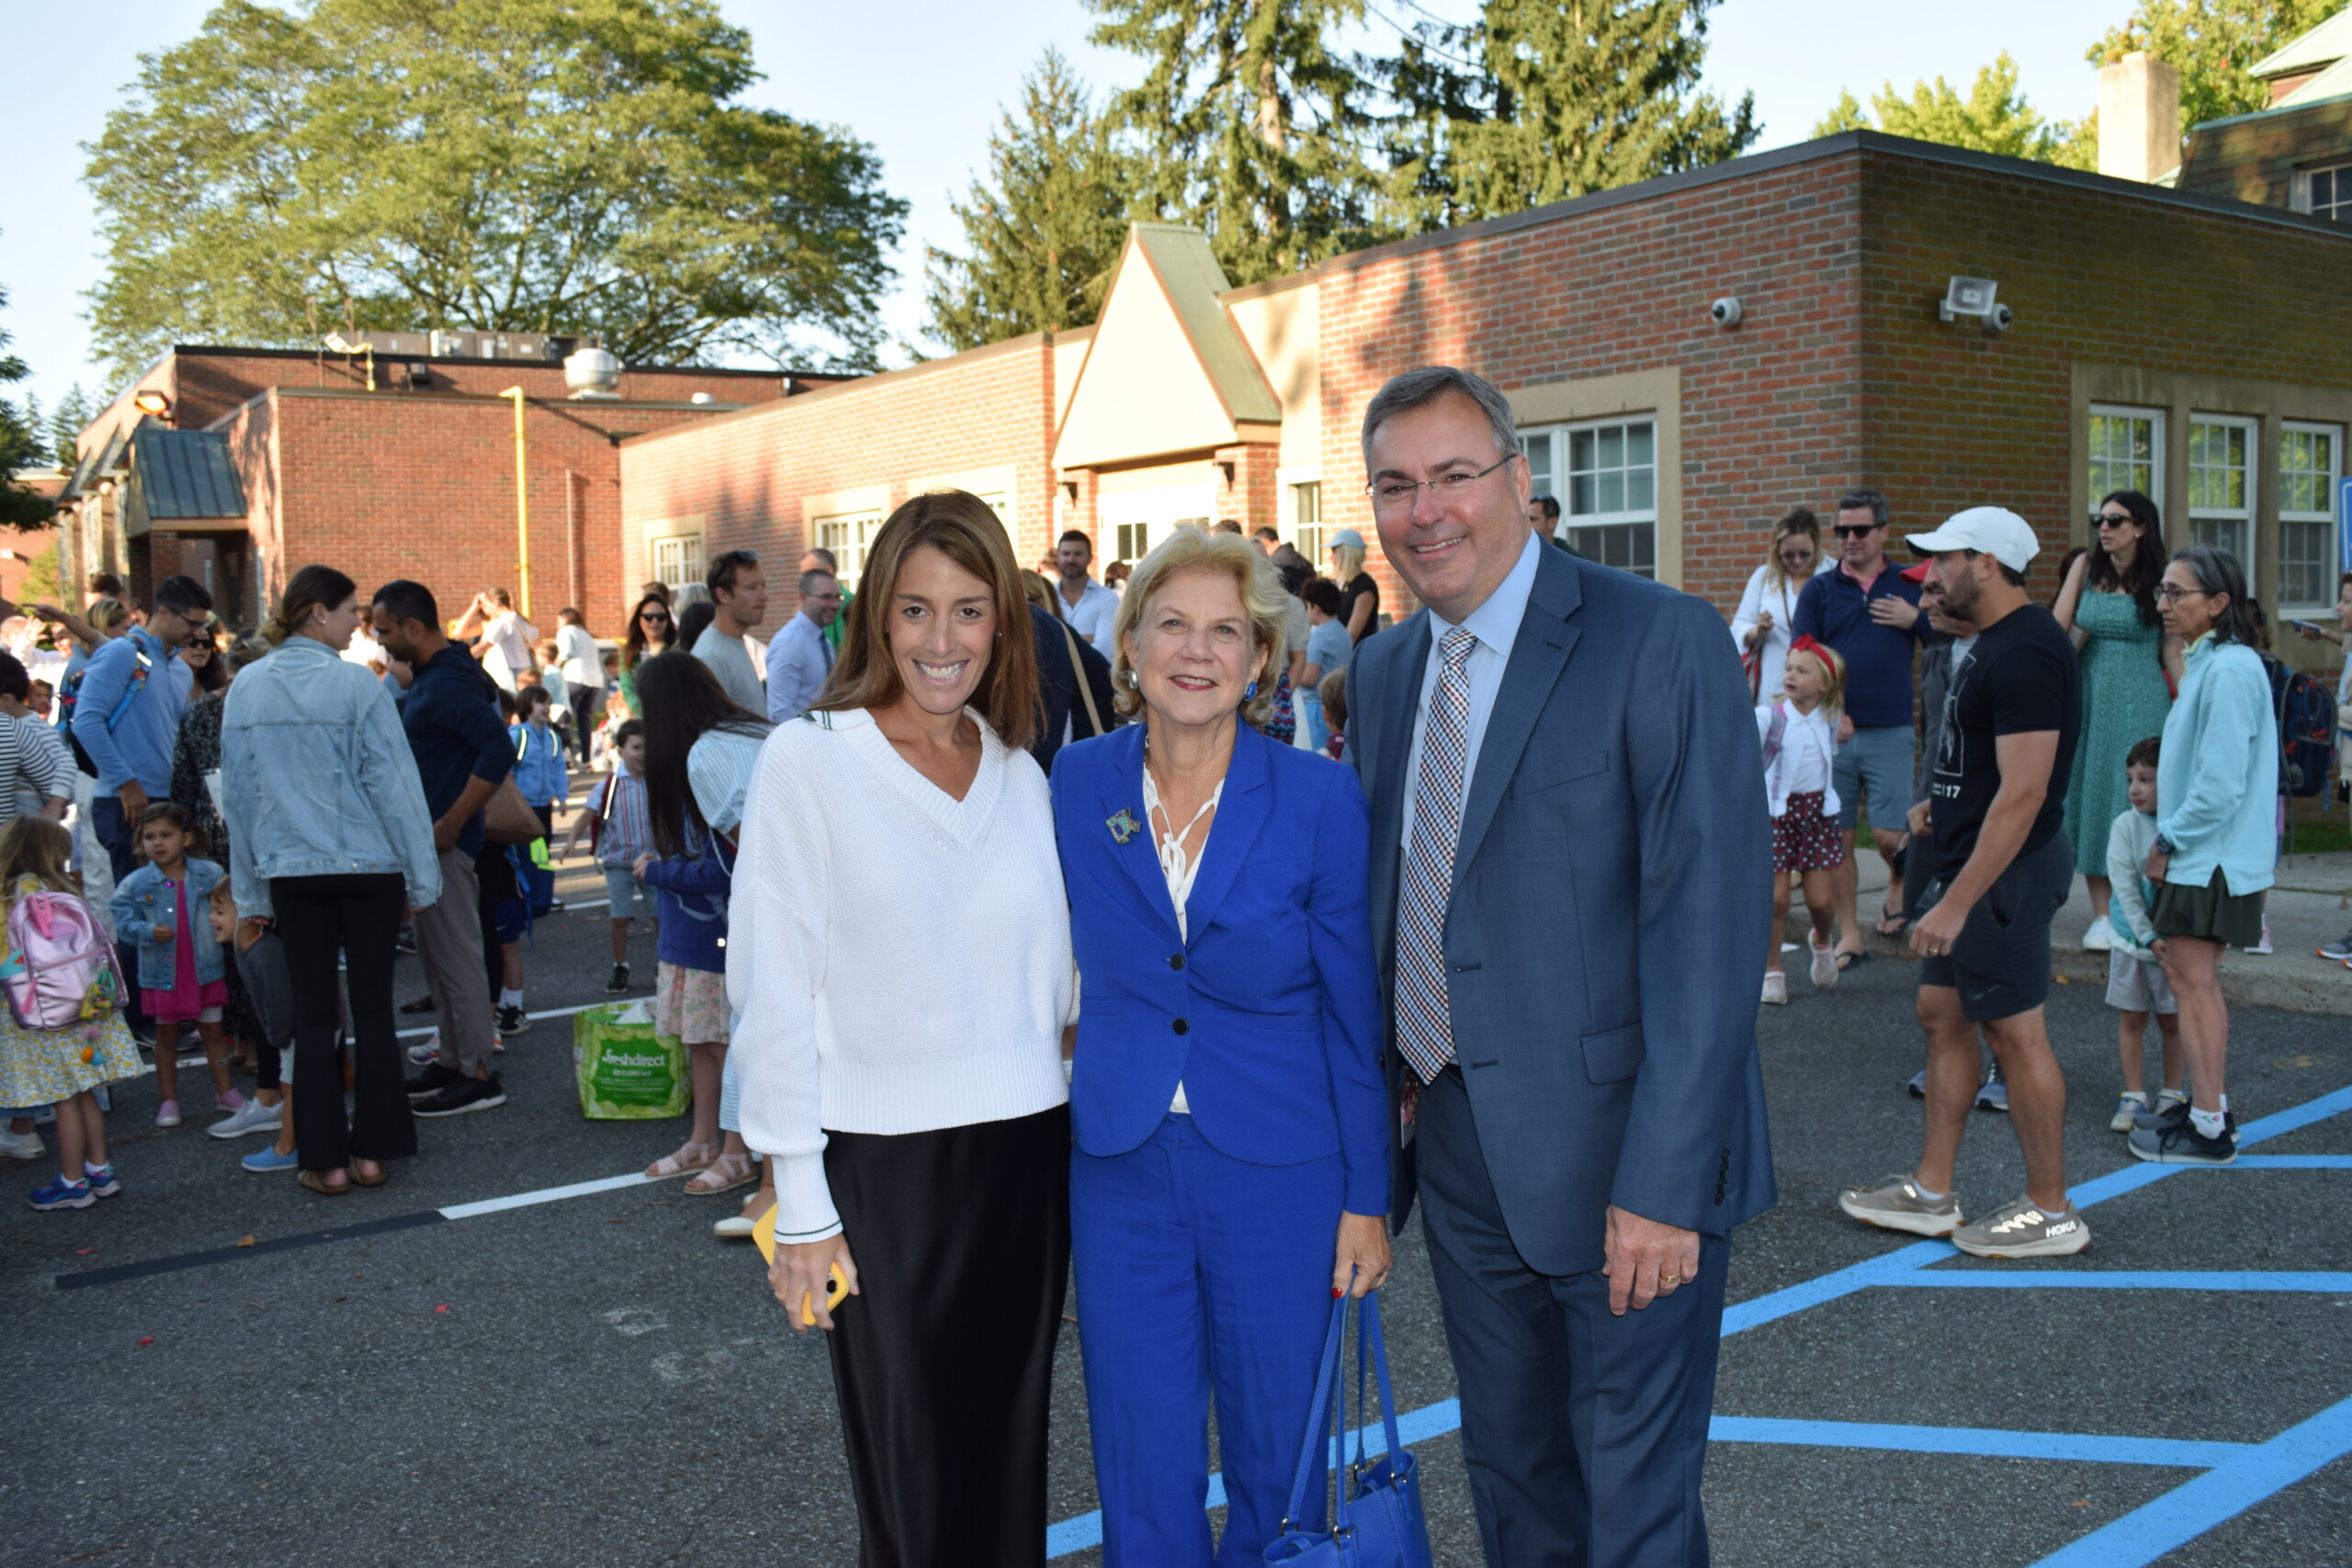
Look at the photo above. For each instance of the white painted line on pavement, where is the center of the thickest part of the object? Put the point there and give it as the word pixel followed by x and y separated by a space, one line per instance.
pixel 551 1012
pixel 544 1195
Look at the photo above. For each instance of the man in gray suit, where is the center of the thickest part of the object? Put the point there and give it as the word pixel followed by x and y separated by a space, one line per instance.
pixel 1581 1108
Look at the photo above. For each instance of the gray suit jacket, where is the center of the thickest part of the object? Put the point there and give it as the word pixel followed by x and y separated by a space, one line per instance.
pixel 1610 900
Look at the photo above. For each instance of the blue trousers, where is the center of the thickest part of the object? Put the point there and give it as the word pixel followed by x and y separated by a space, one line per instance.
pixel 1198 1272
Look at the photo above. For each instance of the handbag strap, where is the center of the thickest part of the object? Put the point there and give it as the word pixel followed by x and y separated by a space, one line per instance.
pixel 1078 674
pixel 1311 1462
pixel 1370 1347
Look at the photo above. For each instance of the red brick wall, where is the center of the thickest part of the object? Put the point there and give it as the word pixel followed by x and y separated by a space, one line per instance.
pixel 1768 410
pixel 1250 497
pixel 747 474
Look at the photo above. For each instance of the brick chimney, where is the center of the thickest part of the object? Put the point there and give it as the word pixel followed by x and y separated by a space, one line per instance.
pixel 2139 119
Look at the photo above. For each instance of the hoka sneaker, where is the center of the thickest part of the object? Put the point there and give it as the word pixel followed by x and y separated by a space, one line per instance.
pixel 1896 1205
pixel 2022 1230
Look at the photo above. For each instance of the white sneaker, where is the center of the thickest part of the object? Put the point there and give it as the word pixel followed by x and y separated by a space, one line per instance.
pixel 2128 1107
pixel 253 1116
pixel 1824 967
pixel 2264 945
pixel 19 1145
pixel 1776 988
pixel 2100 938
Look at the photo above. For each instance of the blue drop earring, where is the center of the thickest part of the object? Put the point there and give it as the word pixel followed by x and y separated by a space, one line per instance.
pixel 1250 691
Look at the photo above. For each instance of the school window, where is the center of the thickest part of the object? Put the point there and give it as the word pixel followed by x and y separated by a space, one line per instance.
pixel 2220 485
pixel 846 535
pixel 677 561
pixel 1133 542
pixel 1305 531
pixel 2310 461
pixel 2127 452
pixel 1604 475
pixel 2327 193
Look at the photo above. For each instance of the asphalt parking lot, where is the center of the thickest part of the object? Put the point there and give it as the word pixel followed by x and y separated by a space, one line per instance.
pixel 592 1379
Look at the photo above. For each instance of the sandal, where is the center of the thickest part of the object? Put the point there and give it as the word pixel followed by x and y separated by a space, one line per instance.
pixel 319 1184
pixel 1902 922
pixel 1847 960
pixel 351 1173
pixel 724 1174
pixel 689 1159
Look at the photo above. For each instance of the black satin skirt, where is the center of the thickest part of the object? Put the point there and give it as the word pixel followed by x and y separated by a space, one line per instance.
pixel 943 1362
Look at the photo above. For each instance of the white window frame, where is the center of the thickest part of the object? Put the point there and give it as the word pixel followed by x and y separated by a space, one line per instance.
pixel 2323 518
pixel 2241 519
pixel 2154 489
pixel 681 554
pixel 1300 524
pixel 847 533
pixel 2339 208
pixel 1557 444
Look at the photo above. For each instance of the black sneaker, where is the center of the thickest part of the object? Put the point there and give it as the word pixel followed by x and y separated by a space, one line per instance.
pixel 436 1077
pixel 466 1094
pixel 618 984
pixel 422 1004
pixel 2184 1145
pixel 512 1022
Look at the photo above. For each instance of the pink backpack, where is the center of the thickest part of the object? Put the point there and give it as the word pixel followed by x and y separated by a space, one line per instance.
pixel 60 969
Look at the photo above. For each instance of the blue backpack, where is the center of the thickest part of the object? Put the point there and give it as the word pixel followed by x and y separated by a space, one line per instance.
pixel 2306 715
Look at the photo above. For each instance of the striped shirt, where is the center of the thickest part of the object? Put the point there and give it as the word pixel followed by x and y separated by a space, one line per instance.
pixel 719 770
pixel 35 767
pixel 627 830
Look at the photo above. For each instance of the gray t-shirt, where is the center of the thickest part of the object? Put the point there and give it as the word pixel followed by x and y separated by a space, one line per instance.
pixel 731 662
pixel 1328 647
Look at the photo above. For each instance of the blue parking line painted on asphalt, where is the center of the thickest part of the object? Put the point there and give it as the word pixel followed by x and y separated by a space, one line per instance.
pixel 2223 1493
pixel 1986 1442
pixel 2122 1280
pixel 1907 1266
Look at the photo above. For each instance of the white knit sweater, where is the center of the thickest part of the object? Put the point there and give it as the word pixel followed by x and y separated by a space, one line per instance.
pixel 900 959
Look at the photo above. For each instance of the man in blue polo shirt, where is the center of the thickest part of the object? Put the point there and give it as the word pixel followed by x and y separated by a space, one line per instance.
pixel 134 693
pixel 462 756
pixel 1870 615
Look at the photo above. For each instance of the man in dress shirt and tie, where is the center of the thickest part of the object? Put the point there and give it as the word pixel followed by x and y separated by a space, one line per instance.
pixel 798 656
pixel 1581 1111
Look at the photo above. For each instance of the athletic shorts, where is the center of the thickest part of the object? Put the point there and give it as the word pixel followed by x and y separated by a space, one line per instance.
pixel 1876 762
pixel 2000 965
pixel 2134 985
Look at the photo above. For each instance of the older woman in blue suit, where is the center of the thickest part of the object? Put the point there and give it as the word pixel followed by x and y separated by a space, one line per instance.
pixel 1230 1177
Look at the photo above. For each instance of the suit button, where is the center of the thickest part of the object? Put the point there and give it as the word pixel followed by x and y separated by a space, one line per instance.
pixel 1181 1027
pixel 1175 961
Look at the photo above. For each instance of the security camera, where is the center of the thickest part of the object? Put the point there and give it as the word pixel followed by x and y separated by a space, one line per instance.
pixel 2000 318
pixel 1726 311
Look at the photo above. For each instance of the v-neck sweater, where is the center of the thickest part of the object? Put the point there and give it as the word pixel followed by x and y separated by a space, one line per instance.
pixel 900 959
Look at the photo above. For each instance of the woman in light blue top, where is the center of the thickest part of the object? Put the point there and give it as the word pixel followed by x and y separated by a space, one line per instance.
pixel 2217 801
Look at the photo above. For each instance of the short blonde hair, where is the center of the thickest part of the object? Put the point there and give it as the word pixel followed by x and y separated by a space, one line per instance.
pixel 1193 549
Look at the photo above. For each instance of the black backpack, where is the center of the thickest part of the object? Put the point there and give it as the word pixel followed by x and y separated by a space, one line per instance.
pixel 2306 714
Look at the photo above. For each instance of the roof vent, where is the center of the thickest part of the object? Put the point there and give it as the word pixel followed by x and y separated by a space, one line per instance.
pixel 593 372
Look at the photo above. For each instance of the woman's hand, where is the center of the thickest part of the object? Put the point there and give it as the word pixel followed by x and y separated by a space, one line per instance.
pixel 1363 1258
pixel 799 1275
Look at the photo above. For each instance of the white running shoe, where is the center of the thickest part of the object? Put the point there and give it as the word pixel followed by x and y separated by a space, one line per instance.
pixel 2264 945
pixel 253 1116
pixel 2100 938
pixel 1824 966
pixel 1776 987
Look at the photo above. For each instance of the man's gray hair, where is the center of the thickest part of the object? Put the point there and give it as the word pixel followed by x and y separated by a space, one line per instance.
pixel 1419 389
pixel 808 579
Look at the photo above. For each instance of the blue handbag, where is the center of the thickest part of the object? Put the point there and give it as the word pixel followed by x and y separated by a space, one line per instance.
pixel 1377 1522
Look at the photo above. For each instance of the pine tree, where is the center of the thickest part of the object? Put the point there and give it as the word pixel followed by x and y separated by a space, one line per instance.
pixel 1043 232
pixel 1251 123
pixel 20 445
pixel 72 413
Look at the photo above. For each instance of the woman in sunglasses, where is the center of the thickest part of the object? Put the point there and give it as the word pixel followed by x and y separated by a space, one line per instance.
pixel 650 631
pixel 1770 604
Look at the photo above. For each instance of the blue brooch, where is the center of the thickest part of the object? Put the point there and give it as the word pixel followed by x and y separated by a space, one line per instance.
pixel 1124 826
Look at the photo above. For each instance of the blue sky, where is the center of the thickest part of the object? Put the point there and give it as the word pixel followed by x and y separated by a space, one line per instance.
pixel 922 79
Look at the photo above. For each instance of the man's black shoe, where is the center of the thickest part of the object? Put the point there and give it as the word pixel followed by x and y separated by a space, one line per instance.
pixel 466 1094
pixel 436 1077
pixel 422 1004
pixel 513 1021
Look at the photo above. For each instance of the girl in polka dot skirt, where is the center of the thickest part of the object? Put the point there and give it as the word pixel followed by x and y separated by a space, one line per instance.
pixel 1798 732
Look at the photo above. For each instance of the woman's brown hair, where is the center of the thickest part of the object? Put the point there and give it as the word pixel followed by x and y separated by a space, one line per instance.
pixel 312 588
pixel 966 530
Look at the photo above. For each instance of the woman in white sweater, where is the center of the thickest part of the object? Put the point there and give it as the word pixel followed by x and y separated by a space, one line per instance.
pixel 900 958
pixel 1769 605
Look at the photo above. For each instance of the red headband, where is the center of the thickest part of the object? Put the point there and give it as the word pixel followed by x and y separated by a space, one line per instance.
pixel 1806 644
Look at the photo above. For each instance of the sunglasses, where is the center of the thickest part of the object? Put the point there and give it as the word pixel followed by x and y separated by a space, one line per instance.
pixel 1855 530
pixel 2111 520
pixel 654 615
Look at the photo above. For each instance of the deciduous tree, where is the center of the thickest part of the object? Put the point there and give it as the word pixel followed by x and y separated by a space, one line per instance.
pixel 2213 43
pixel 1991 116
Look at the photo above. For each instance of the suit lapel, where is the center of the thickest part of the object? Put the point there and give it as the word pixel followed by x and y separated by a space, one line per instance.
pixel 1122 791
pixel 1546 637
pixel 1241 811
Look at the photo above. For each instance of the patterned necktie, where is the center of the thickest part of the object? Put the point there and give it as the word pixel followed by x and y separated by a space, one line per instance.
pixel 1424 1027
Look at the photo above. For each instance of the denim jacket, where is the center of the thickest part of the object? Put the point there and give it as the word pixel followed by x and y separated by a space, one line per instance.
pixel 144 900
pixel 317 778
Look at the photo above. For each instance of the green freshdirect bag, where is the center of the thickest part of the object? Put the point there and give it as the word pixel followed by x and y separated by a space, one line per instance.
pixel 627 1072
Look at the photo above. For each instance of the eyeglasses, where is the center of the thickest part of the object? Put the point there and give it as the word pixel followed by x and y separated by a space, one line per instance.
pixel 1856 530
pixel 2168 591
pixel 2111 519
pixel 1391 495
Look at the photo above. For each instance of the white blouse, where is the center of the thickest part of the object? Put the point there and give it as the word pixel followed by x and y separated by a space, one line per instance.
pixel 900 959
pixel 1181 871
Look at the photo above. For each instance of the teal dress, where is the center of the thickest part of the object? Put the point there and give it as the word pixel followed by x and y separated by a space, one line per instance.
pixel 2124 702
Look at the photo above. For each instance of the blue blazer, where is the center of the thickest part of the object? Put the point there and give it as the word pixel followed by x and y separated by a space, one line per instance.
pixel 1613 875
pixel 1267 1015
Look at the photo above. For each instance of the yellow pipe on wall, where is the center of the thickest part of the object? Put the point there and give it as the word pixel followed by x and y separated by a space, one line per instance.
pixel 522 506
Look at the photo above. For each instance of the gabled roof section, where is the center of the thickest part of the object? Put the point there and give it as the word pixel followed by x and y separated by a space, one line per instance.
pixel 2335 82
pixel 1168 370
pixel 105 461
pixel 182 475
pixel 2324 45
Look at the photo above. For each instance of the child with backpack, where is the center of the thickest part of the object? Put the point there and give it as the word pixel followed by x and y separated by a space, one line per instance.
pixel 615 820
pixel 61 1036
pixel 1798 731
pixel 2136 986
pixel 159 910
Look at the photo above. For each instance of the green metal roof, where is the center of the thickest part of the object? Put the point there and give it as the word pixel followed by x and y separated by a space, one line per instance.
pixel 2324 45
pixel 185 474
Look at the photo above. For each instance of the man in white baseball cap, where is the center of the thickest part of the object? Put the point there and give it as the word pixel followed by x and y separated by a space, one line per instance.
pixel 1995 803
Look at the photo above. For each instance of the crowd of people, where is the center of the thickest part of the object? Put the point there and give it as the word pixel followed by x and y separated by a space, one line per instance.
pixel 1017 924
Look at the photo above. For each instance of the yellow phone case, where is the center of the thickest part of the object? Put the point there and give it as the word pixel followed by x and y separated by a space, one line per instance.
pixel 763 1233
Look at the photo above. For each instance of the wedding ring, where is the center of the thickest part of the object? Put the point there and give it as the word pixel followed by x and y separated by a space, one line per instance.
pixel 1670 1279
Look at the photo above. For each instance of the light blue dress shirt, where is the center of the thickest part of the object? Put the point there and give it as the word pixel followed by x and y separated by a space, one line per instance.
pixel 798 660
pixel 1496 626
